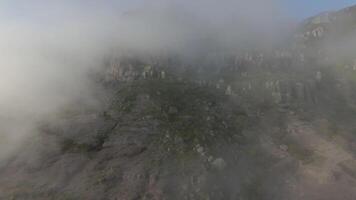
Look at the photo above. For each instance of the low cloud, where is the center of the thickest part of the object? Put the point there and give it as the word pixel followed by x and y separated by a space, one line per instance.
pixel 49 50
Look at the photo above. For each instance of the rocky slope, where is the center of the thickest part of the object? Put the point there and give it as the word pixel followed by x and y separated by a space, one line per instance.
pixel 254 125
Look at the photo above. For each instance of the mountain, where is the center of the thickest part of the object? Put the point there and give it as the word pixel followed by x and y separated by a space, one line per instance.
pixel 327 26
pixel 274 124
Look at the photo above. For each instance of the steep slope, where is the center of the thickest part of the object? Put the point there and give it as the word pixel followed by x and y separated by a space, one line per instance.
pixel 149 138
pixel 263 125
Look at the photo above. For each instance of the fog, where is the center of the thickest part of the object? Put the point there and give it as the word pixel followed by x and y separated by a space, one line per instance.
pixel 48 52
pixel 221 99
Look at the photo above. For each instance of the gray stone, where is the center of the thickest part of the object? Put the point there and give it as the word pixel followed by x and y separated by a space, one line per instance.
pixel 283 147
pixel 228 90
pixel 319 76
pixel 172 110
pixel 219 164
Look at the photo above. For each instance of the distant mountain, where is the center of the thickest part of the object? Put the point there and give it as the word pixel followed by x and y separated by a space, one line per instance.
pixel 327 25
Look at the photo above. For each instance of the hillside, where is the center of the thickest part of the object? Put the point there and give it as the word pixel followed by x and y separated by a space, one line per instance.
pixel 262 125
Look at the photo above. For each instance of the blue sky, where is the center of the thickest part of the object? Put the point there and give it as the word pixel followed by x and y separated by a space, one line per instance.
pixel 306 8
pixel 299 9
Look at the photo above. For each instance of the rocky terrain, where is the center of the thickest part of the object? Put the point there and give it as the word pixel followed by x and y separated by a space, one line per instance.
pixel 262 125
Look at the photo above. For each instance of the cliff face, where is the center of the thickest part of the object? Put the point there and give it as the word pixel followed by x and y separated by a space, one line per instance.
pixel 254 125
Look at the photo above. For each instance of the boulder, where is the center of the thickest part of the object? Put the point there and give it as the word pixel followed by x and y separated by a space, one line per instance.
pixel 219 164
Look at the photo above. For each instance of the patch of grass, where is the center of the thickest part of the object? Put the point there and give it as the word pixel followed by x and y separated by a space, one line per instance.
pixel 305 155
pixel 69 145
pixel 187 111
pixel 253 189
